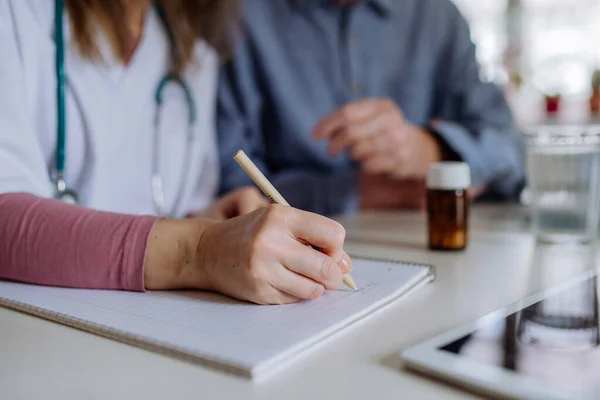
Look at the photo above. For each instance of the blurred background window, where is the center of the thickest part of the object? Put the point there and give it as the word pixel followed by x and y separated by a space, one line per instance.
pixel 553 45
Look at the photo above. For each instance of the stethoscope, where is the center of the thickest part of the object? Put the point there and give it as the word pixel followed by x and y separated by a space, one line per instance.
pixel 61 189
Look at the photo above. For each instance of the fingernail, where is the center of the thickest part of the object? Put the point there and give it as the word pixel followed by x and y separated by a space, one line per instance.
pixel 349 261
pixel 345 265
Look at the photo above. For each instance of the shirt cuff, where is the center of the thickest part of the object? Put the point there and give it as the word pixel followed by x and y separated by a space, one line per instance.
pixel 461 142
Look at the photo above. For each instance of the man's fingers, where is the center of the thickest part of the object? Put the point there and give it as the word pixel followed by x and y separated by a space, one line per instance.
pixel 367 129
pixel 343 116
pixel 363 150
pixel 375 146
pixel 381 165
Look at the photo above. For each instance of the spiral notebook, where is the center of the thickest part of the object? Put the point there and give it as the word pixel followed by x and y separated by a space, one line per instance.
pixel 217 331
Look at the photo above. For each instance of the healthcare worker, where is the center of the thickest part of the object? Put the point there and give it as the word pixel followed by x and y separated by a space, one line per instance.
pixel 107 142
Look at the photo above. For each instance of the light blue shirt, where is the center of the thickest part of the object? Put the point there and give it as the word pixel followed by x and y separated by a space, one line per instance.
pixel 299 60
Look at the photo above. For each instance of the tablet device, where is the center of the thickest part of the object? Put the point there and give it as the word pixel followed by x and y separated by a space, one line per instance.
pixel 544 347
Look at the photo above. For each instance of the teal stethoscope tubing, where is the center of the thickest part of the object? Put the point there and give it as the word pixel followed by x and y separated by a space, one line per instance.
pixel 62 192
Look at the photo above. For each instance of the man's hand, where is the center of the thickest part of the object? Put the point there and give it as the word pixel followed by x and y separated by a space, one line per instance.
pixel 376 134
pixel 239 202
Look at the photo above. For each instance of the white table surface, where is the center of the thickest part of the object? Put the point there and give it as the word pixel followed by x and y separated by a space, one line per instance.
pixel 41 359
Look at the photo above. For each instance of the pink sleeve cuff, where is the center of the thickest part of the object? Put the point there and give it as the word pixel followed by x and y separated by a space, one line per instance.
pixel 135 246
pixel 47 242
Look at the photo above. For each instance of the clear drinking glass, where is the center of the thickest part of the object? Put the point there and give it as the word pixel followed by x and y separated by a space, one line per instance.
pixel 563 168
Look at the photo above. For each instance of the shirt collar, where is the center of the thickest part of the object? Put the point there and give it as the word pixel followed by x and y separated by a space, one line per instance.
pixel 383 7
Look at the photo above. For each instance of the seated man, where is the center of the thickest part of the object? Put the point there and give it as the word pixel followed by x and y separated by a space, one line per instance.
pixel 345 104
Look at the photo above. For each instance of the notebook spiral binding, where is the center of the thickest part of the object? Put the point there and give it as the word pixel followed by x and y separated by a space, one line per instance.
pixel 432 268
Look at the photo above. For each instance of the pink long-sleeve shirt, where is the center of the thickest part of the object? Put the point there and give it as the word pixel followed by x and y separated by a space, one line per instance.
pixel 45 241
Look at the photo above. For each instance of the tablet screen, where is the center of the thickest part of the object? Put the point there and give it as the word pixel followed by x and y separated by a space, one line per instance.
pixel 555 341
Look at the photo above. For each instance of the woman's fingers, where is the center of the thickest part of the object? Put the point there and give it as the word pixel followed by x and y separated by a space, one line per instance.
pixel 313 264
pixel 275 296
pixel 262 257
pixel 320 232
pixel 295 285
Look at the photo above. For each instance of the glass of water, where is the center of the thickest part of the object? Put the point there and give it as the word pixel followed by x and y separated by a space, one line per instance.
pixel 563 168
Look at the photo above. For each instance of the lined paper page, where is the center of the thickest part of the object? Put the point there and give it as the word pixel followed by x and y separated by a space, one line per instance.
pixel 223 332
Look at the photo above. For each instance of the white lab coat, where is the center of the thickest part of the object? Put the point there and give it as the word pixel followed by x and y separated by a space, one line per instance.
pixel 110 111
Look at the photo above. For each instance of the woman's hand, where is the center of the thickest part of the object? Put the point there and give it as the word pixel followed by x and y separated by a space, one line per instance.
pixel 238 202
pixel 262 257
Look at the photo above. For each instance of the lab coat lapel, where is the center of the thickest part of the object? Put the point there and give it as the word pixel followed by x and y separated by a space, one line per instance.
pixel 106 92
pixel 109 81
pixel 152 46
pixel 85 85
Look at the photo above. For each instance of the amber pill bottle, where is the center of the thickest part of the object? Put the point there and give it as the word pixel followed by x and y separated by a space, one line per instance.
pixel 448 206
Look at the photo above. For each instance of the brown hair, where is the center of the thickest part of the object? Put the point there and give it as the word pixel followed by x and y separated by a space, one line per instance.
pixel 189 20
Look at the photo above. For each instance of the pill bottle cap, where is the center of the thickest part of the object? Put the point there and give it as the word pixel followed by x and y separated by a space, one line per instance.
pixel 449 176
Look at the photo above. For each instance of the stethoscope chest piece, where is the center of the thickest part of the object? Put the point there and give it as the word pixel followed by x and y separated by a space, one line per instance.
pixel 65 194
